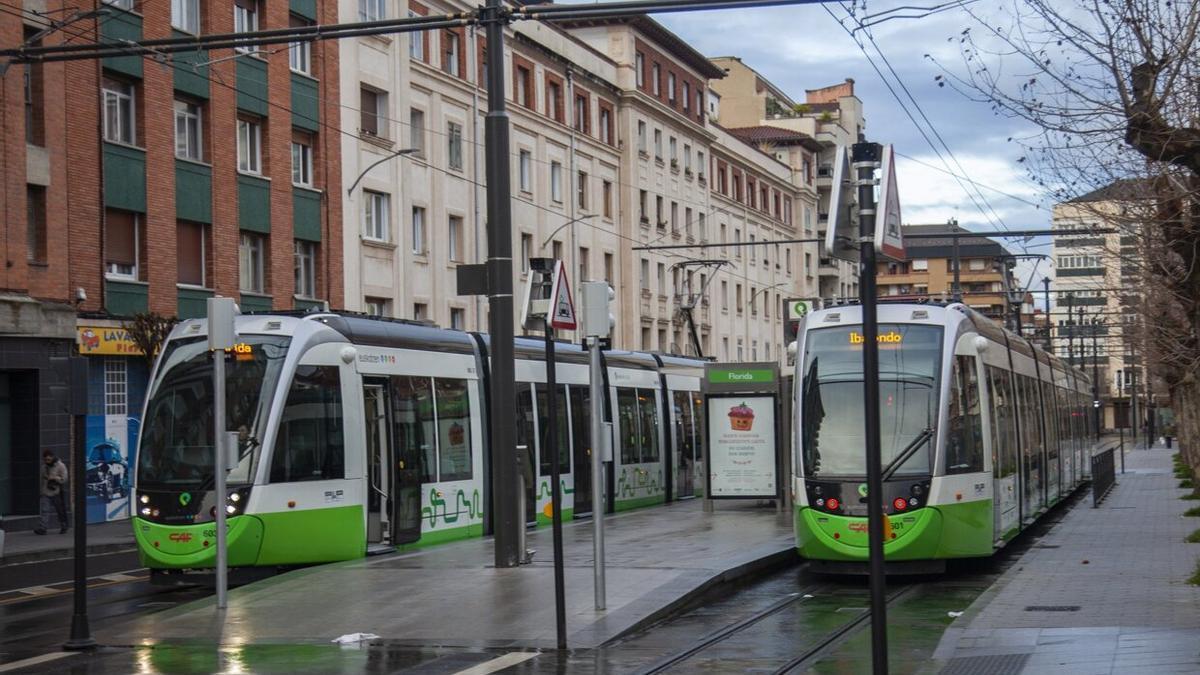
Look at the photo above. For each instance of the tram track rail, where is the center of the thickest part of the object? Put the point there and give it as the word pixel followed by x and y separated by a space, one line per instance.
pixel 826 643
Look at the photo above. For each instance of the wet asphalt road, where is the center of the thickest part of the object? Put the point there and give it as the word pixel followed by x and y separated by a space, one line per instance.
pixel 790 621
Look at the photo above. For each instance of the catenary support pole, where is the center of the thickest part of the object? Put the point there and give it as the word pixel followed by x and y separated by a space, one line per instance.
pixel 500 300
pixel 599 494
pixel 81 634
pixel 866 158
pixel 1070 330
pixel 552 446
pixel 1096 376
pixel 956 287
pixel 1049 322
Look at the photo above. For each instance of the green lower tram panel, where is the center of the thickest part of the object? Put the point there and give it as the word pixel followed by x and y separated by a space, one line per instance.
pixel 288 538
pixel 944 531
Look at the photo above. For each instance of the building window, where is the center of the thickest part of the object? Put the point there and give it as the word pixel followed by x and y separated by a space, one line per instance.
pixel 659 220
pixel 245 20
pixel 645 276
pixel 456 239
pixel 671 87
pixel 556 248
pixel 584 254
pixel 787 257
pixel 524 171
pixel 700 164
pixel 556 181
pixel 526 251
pixel 251 263
pixel 673 149
pixel 458 318
pixel 662 279
pixel 450 52
pixel 687 95
pixel 454 141
pixel 305 260
pixel 372 111
pixel 581 114
pixel 701 228
pixel 122 243
pixel 35 95
pixel 377 306
pixel 655 79
pixel 187 131
pixel 554 101
pixel 35 223
pixel 725 295
pixel 418 230
pixel 606 193
pixel 416 40
pixel 122 4
pixel 373 10
pixel 608 268
pixel 658 144
pixel 302 162
pixel 299 53
pixel 185 15
pixel 581 190
pixel 191 253
pixel 420 311
pixel 416 131
pixel 643 205
pixel 376 215
pixel 639 66
pixel 116 399
pixel 674 216
pixel 605 126
pixel 249 146
pixel 687 158
pixel 641 136
pixel 119 112
pixel 523 87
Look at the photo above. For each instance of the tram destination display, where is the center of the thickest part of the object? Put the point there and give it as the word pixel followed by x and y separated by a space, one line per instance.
pixel 742 448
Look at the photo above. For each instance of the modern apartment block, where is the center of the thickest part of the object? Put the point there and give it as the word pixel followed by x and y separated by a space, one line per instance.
pixel 612 148
pixel 148 185
pixel 832 116
pixel 1096 295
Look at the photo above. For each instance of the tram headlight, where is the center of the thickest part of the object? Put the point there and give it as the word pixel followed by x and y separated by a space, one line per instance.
pixel 235 498
pixel 230 509
pixel 145 499
pixel 145 510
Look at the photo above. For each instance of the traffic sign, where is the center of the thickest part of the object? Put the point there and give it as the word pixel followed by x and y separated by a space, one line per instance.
pixel 562 308
pixel 840 232
pixel 889 241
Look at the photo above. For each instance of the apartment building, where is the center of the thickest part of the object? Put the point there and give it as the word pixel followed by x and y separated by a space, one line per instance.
pixel 414 107
pixel 832 116
pixel 149 185
pixel 1096 292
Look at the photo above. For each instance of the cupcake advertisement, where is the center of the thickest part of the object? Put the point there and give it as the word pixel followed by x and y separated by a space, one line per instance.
pixel 742 443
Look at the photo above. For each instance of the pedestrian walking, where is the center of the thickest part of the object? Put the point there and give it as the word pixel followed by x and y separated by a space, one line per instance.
pixel 54 477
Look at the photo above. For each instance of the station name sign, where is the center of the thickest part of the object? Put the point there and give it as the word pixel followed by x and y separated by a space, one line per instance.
pixel 741 376
pixel 890 337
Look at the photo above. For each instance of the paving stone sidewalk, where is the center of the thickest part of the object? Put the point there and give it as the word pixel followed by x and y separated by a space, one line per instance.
pixel 26 547
pixel 1104 592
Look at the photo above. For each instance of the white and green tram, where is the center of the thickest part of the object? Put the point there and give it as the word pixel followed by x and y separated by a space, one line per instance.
pixel 360 433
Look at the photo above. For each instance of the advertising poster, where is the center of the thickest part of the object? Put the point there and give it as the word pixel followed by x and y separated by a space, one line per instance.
pixel 109 469
pixel 741 432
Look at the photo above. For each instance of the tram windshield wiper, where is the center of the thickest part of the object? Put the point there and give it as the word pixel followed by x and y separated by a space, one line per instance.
pixel 908 452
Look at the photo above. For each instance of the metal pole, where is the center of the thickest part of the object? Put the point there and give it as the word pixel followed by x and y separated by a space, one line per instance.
pixel 866 158
pixel 500 301
pixel 218 383
pixel 1096 376
pixel 81 634
pixel 1070 330
pixel 1121 432
pixel 956 287
pixel 551 446
pixel 1134 405
pixel 599 494
pixel 1049 323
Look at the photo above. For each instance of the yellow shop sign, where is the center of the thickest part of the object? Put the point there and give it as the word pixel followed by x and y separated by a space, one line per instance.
pixel 105 341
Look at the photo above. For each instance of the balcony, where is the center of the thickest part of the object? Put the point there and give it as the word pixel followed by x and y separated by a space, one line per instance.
pixel 829 267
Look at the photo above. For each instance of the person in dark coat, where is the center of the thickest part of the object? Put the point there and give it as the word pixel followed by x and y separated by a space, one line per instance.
pixel 53 478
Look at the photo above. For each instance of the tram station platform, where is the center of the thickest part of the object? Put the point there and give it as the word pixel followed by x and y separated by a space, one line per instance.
pixel 1105 591
pixel 657 559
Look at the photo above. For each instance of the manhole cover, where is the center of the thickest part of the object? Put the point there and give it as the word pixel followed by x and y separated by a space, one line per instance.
pixel 1052 608
pixel 1003 664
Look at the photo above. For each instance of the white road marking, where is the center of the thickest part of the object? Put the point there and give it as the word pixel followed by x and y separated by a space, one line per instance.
pixel 499 663
pixel 119 577
pixel 44 658
pixel 38 590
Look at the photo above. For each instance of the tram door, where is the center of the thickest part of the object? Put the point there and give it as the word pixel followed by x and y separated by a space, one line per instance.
pixel 378 462
pixel 411 403
pixel 685 451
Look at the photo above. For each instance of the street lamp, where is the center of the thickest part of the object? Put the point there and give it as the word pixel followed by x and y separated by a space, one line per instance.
pixel 402 151
pixel 560 227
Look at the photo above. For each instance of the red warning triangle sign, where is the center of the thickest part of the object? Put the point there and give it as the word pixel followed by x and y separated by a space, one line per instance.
pixel 562 308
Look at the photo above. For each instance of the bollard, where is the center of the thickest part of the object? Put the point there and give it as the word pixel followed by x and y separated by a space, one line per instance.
pixel 1122 433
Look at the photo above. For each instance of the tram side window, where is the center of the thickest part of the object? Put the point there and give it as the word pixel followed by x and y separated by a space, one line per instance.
pixel 964 441
pixel 649 426
pixel 629 421
pixel 310 444
pixel 412 422
pixel 525 429
pixel 1001 402
pixel 454 429
pixel 564 441
pixel 684 429
pixel 1052 430
pixel 581 420
pixel 698 420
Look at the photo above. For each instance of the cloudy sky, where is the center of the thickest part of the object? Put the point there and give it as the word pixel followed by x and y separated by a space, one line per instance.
pixel 802 47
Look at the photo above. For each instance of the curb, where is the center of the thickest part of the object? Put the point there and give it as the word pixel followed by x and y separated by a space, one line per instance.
pixel 765 564
pixel 64 553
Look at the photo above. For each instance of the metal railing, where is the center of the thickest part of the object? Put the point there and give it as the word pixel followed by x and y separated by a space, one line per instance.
pixel 1104 475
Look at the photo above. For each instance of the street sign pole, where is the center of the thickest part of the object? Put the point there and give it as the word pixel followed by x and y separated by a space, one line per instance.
pixel 596 322
pixel 81 634
pixel 560 603
pixel 220 338
pixel 866 157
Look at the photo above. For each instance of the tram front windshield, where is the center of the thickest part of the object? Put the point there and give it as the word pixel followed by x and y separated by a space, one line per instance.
pixel 833 436
pixel 176 451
